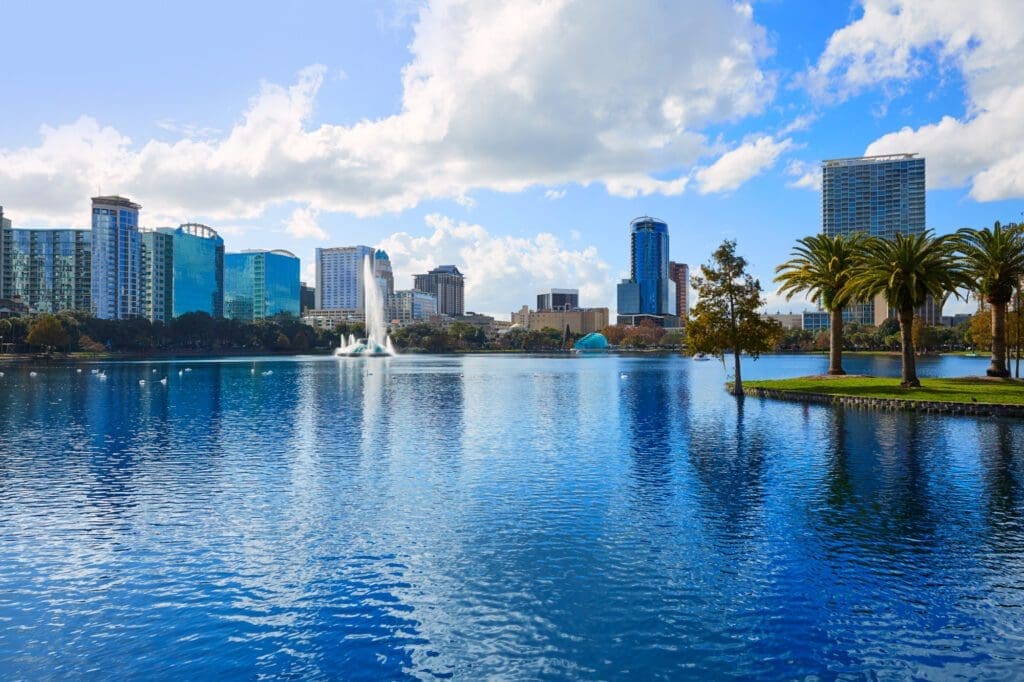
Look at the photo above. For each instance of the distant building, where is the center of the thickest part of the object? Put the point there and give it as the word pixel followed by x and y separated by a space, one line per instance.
pixel 881 196
pixel 679 273
pixel 522 317
pixel 816 320
pixel 649 293
pixel 198 270
pixel 329 319
pixel 448 284
pixel 157 278
pixel 261 284
pixel 116 258
pixel 786 320
pixel 339 278
pixel 382 271
pixel 409 306
pixel 307 297
pixel 559 299
pixel 579 321
pixel 46 270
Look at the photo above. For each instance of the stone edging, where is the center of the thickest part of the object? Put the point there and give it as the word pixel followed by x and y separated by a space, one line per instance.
pixel 889 404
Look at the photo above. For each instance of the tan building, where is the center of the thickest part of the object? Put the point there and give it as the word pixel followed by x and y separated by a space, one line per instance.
pixel 522 317
pixel 581 321
pixel 787 320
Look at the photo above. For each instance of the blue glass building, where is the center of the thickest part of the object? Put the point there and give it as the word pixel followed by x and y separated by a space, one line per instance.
pixel 158 275
pixel 49 270
pixel 116 258
pixel 261 284
pixel 198 270
pixel 649 291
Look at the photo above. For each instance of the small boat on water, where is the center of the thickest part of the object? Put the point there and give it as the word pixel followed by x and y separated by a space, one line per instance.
pixel 701 357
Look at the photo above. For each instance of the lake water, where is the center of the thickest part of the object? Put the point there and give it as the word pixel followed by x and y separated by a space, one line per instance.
pixel 498 516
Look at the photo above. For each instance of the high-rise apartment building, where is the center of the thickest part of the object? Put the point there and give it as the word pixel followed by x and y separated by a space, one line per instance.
pixel 679 273
pixel 157 285
pixel 448 285
pixel 261 284
pixel 559 299
pixel 116 258
pixel 307 297
pixel 877 195
pixel 649 292
pixel 48 270
pixel 339 278
pixel 408 306
pixel 198 270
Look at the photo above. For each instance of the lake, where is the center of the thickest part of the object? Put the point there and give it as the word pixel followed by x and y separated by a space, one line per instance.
pixel 498 516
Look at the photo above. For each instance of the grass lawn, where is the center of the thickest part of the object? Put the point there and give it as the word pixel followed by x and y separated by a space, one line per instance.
pixel 963 390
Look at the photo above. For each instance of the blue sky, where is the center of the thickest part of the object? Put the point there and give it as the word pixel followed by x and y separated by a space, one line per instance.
pixel 515 139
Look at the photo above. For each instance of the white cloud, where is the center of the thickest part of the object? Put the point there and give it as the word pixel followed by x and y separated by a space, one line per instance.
pixel 802 122
pixel 302 224
pixel 554 194
pixel 498 96
pixel 737 166
pixel 808 175
pixel 502 272
pixel 896 41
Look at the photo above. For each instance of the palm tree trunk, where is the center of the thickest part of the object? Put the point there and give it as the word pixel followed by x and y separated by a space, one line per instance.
pixel 997 368
pixel 835 342
pixel 737 387
pixel 907 340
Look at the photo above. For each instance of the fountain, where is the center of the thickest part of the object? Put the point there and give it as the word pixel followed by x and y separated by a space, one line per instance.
pixel 377 342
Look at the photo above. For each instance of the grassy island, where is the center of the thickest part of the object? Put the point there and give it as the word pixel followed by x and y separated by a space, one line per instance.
pixel 960 390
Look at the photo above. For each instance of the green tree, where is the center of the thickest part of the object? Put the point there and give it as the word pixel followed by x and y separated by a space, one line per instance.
pixel 725 317
pixel 993 260
pixel 46 332
pixel 820 266
pixel 281 342
pixel 905 271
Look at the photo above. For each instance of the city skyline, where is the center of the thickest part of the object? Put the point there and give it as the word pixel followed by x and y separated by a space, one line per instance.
pixel 267 148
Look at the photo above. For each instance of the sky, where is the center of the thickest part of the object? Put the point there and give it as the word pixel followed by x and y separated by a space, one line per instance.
pixel 515 139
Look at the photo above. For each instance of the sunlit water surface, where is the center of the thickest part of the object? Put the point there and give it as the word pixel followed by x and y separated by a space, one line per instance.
pixel 524 517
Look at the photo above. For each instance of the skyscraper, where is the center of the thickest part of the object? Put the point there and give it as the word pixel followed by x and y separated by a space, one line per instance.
pixel 877 195
pixel 382 271
pixel 448 284
pixel 116 258
pixel 49 270
pixel 157 279
pixel 261 284
pixel 339 278
pixel 649 292
pixel 679 273
pixel 198 269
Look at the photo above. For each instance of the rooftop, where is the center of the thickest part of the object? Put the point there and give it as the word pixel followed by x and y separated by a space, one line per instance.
pixel 115 200
pixel 866 160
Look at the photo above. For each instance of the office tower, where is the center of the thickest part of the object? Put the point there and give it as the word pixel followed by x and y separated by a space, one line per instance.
pixel 448 285
pixel 198 279
pixel 261 284
pixel 877 195
pixel 649 292
pixel 49 270
pixel 408 306
pixel 382 271
pixel 559 299
pixel 339 278
pixel 679 273
pixel 116 258
pixel 307 298
pixel 157 285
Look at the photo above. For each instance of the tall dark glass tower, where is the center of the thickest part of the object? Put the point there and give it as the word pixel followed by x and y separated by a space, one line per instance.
pixel 116 258
pixel 649 290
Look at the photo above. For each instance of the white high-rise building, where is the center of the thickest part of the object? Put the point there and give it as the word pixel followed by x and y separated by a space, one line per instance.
pixel 339 278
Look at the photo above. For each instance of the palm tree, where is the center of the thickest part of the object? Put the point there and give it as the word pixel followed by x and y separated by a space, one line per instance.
pixel 906 270
pixel 994 261
pixel 820 267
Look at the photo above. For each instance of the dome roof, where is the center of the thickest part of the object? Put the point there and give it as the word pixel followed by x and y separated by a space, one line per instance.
pixel 592 341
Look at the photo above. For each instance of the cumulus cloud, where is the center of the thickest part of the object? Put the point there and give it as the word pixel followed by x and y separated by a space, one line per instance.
pixel 496 267
pixel 303 224
pixel 554 194
pixel 895 41
pixel 498 96
pixel 808 175
pixel 737 166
